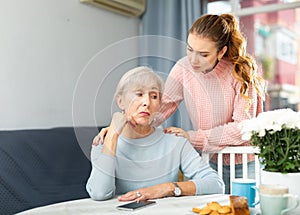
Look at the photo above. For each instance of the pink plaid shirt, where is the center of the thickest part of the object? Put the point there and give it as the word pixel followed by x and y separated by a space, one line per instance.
pixel 214 104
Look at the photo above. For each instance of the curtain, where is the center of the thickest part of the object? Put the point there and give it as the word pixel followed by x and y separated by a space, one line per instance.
pixel 165 26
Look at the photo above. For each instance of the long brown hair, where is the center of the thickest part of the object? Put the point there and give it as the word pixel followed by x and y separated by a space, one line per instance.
pixel 223 30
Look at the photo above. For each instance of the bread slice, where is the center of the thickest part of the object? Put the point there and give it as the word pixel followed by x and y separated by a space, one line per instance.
pixel 239 205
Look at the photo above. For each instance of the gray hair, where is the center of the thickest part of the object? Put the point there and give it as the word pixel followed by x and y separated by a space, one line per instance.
pixel 140 77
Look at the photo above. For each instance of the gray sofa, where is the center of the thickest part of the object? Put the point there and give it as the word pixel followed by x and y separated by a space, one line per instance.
pixel 45 166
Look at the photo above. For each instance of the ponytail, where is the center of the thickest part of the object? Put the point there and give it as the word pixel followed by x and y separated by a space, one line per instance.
pixel 224 31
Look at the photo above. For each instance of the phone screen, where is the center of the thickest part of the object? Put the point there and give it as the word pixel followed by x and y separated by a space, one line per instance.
pixel 135 205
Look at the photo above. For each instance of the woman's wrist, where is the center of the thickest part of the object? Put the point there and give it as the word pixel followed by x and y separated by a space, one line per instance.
pixel 110 142
pixel 170 189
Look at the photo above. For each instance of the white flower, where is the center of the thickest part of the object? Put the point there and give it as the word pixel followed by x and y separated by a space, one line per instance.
pixel 277 128
pixel 269 122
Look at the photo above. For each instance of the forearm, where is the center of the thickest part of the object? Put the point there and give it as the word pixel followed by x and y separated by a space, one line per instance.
pixel 159 191
pixel 212 184
pixel 188 188
pixel 117 124
pixel 101 183
pixel 167 109
pixel 110 142
pixel 100 187
pixel 205 179
pixel 172 96
pixel 216 138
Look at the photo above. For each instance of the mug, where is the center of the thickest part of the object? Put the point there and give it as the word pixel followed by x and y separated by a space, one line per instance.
pixel 246 188
pixel 274 199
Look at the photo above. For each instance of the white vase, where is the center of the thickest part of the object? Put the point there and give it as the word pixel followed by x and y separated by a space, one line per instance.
pixel 291 180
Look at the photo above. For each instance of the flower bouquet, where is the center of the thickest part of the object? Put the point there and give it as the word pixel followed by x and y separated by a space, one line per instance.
pixel 277 134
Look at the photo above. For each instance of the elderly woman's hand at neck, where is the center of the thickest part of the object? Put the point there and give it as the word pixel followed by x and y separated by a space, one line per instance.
pixel 116 127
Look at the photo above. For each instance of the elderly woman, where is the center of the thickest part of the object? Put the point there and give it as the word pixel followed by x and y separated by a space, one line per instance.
pixel 138 161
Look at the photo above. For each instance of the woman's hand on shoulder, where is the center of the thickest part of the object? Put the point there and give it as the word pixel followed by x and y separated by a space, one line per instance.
pixel 99 138
pixel 117 123
pixel 177 131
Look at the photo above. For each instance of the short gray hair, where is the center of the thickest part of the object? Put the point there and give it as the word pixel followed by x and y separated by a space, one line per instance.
pixel 140 77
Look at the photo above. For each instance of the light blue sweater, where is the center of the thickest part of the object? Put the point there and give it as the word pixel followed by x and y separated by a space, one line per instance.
pixel 148 161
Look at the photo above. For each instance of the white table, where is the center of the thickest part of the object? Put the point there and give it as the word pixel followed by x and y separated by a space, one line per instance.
pixel 171 205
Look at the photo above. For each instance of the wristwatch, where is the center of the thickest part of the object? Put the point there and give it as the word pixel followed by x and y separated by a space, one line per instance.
pixel 177 190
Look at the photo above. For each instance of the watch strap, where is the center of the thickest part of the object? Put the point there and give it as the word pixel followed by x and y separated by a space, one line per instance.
pixel 177 190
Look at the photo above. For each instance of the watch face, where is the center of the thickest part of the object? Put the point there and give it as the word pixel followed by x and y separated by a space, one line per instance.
pixel 177 191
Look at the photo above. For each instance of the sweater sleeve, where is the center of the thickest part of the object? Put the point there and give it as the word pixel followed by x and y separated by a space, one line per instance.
pixel 172 96
pixel 101 183
pixel 227 134
pixel 206 180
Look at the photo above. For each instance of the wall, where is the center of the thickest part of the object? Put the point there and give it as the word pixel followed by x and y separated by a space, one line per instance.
pixel 46 48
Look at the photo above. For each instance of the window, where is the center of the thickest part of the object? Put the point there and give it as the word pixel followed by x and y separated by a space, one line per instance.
pixel 273 39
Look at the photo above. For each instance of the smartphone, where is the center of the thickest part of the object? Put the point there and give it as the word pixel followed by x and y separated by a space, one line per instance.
pixel 135 205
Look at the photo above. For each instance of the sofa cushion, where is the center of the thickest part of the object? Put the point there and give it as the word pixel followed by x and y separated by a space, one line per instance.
pixel 45 166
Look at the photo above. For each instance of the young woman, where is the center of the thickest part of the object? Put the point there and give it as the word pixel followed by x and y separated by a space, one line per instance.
pixel 138 161
pixel 220 86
